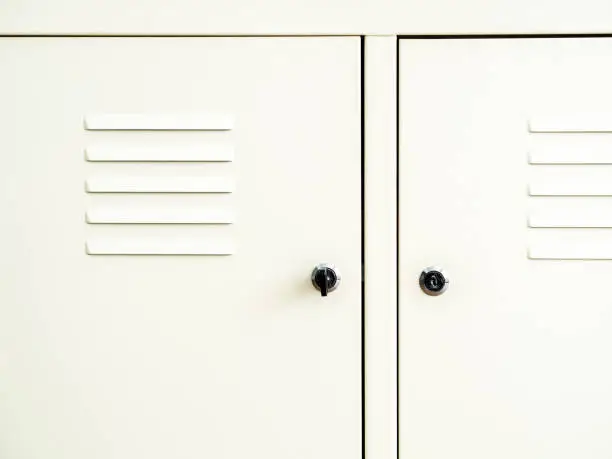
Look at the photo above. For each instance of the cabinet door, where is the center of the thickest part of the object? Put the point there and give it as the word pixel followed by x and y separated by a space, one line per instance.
pixel 506 186
pixel 164 202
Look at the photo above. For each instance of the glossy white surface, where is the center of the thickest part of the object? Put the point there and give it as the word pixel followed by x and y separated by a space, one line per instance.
pixel 513 360
pixel 157 357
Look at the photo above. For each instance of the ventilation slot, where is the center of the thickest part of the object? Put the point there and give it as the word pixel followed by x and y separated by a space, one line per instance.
pixel 155 153
pixel 150 208
pixel 570 188
pixel 156 246
pixel 157 122
pixel 159 185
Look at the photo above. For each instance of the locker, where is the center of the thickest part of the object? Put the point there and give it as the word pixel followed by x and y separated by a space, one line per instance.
pixel 164 204
pixel 309 230
pixel 504 149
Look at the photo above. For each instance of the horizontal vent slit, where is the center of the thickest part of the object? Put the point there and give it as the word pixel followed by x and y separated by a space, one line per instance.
pixel 571 123
pixel 189 153
pixel 159 185
pixel 169 216
pixel 571 253
pixel 157 246
pixel 570 189
pixel 158 122
pixel 570 221
pixel 560 149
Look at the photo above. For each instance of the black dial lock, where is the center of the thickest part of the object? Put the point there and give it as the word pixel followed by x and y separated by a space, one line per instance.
pixel 325 278
pixel 433 281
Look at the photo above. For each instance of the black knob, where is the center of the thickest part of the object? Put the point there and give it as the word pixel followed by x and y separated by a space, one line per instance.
pixel 325 278
pixel 433 281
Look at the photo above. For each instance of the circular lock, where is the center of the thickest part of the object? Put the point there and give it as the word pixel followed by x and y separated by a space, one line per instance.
pixel 433 281
pixel 325 278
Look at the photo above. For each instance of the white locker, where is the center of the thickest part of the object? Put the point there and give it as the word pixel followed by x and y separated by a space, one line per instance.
pixel 505 152
pixel 164 202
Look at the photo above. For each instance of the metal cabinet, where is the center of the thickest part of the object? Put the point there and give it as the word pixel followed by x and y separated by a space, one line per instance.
pixel 164 202
pixel 505 171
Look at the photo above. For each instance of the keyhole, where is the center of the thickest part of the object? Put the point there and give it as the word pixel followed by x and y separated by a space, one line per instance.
pixel 433 282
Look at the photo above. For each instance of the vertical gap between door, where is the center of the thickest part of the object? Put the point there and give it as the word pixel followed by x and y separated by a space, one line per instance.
pixel 363 337
pixel 397 235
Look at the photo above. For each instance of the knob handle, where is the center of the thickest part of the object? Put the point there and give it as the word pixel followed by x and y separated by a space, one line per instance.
pixel 325 278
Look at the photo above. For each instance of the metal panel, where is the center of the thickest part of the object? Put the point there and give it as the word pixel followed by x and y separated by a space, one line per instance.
pixel 512 359
pixel 170 356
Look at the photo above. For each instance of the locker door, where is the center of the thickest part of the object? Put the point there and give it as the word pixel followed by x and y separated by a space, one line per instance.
pixel 164 202
pixel 506 187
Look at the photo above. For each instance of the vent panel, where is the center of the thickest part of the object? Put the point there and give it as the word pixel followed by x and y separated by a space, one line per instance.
pixel 570 187
pixel 119 225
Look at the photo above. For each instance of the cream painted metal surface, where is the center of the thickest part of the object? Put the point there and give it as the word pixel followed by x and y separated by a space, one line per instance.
pixel 304 17
pixel 380 231
pixel 192 355
pixel 513 360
